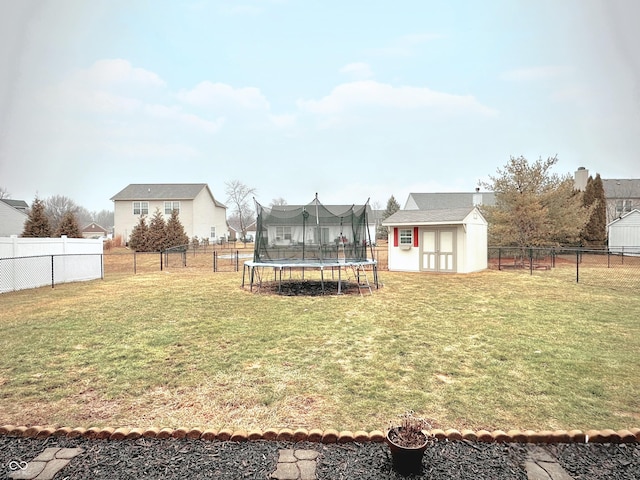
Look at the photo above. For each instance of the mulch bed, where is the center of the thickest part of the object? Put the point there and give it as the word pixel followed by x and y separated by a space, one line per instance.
pixel 197 459
pixel 311 288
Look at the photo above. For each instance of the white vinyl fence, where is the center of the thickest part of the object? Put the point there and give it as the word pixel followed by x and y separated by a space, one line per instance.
pixel 36 262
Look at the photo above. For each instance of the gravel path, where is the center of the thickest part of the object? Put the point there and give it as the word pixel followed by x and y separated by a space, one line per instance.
pixel 197 459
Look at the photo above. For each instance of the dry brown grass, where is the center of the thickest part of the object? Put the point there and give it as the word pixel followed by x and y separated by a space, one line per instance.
pixel 187 347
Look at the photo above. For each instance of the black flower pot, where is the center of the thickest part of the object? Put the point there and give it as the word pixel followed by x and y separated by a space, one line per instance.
pixel 406 460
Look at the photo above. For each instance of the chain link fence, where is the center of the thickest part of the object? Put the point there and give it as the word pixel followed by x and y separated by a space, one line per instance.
pixel 603 267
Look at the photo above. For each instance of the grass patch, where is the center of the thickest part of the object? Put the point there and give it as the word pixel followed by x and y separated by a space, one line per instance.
pixel 487 350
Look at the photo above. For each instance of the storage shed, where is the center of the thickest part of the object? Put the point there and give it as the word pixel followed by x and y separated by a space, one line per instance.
pixel 624 234
pixel 447 241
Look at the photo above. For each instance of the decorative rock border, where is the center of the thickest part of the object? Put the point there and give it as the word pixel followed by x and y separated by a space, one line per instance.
pixel 322 436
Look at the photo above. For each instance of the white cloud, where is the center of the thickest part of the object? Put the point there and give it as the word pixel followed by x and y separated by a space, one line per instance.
pixel 284 120
pixel 362 94
pixel 536 73
pixel 117 71
pixel 358 70
pixel 208 94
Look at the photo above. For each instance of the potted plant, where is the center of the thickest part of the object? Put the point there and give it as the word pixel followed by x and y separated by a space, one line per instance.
pixel 407 441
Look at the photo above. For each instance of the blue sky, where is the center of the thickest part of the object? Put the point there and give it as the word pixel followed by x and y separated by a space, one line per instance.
pixel 349 99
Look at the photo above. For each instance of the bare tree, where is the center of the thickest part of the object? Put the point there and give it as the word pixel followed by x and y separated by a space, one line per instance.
pixel 4 193
pixel 239 196
pixel 56 206
pixel 278 202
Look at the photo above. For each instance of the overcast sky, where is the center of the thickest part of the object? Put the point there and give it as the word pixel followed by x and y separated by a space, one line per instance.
pixel 349 99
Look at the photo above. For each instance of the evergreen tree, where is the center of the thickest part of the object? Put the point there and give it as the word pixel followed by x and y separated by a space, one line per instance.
pixel 392 207
pixel 176 235
pixel 594 233
pixel 139 236
pixel 157 236
pixel 68 226
pixel 37 225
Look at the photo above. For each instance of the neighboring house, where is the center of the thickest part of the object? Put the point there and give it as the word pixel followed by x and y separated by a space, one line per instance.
pixel 93 230
pixel 622 194
pixel 288 234
pixel 199 212
pixel 452 240
pixel 20 205
pixel 12 217
pixel 444 200
pixel 624 233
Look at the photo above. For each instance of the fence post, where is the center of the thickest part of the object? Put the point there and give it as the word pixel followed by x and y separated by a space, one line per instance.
pixel 134 263
pixel 102 266
pixel 499 258
pixel 578 266
pixel 237 261
pixel 530 261
pixel 214 260
pixel 160 260
pixel 52 274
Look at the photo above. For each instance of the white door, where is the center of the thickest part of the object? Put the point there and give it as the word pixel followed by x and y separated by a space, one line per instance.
pixel 438 250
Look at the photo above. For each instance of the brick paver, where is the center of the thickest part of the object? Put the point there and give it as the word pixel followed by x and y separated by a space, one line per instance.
pixel 45 465
pixel 296 465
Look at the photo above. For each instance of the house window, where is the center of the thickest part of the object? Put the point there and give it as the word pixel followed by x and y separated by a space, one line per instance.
pixel 623 206
pixel 283 233
pixel 170 207
pixel 213 232
pixel 141 208
pixel 406 236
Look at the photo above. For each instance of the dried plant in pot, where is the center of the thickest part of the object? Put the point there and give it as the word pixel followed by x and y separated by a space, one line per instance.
pixel 407 441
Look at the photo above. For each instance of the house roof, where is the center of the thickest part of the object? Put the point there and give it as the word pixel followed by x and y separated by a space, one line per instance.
pixel 94 228
pixel 634 212
pixel 443 200
pixel 163 191
pixel 333 209
pixel 425 217
pixel 17 204
pixel 448 200
pixel 623 188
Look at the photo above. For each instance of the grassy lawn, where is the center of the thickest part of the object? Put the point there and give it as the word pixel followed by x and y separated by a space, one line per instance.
pixel 190 348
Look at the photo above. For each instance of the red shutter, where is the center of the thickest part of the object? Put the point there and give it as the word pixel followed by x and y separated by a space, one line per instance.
pixel 415 236
pixel 395 236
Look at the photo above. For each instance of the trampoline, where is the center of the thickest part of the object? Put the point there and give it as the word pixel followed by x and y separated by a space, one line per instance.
pixel 324 238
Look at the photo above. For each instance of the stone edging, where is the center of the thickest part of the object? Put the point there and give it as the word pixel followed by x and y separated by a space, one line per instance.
pixel 322 436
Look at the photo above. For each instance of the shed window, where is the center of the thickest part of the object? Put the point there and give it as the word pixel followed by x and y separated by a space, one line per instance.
pixel 141 208
pixel 406 236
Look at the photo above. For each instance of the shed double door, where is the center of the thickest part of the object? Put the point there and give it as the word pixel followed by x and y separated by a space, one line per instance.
pixel 438 250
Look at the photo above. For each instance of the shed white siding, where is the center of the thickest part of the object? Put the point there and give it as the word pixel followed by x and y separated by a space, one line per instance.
pixel 624 234
pixel 463 231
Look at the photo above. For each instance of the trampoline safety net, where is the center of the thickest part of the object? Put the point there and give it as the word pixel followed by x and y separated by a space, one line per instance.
pixel 311 234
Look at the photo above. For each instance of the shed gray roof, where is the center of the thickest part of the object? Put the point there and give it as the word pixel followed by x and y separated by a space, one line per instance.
pixel 417 217
pixel 621 188
pixel 163 191
pixel 442 200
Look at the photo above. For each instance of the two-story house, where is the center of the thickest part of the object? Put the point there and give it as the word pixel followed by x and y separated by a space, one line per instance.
pixel 199 212
pixel 622 194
